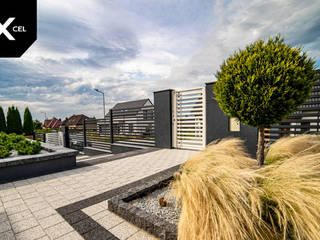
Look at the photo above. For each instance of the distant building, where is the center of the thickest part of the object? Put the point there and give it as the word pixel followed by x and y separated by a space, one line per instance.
pixel 133 117
pixel 53 123
pixel 75 121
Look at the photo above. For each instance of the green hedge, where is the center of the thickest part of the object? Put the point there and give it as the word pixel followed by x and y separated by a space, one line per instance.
pixel 23 146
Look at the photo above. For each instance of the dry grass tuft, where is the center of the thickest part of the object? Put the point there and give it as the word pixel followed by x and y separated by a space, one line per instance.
pixel 224 196
pixel 289 146
pixel 213 189
pixel 291 196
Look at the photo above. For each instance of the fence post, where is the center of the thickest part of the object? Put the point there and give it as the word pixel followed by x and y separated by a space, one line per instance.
pixel 65 130
pixel 84 133
pixel 111 125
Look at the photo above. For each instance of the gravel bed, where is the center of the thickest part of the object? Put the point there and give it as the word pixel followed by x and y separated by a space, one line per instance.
pixel 150 204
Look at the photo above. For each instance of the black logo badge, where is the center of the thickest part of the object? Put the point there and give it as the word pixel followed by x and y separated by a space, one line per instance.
pixel 18 27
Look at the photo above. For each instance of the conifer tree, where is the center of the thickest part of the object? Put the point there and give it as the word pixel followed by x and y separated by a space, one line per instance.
pixel 28 127
pixel 3 125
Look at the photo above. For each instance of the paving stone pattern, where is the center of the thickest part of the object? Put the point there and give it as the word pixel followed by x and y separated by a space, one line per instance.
pixel 28 208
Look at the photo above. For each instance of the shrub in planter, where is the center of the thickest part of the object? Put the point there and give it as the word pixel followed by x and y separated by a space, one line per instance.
pixel 9 142
pixel 224 196
pixel 4 152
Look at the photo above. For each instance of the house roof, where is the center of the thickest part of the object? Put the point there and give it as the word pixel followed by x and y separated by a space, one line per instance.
pixel 131 104
pixel 52 123
pixel 75 120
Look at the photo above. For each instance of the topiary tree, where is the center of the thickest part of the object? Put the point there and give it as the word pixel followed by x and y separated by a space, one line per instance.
pixel 10 120
pixel 28 127
pixel 263 84
pixel 3 125
pixel 18 123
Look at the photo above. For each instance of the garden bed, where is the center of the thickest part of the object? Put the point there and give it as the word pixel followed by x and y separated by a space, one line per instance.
pixel 50 159
pixel 140 207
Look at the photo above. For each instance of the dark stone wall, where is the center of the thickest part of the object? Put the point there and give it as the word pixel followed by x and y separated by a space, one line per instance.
pixel 217 124
pixel 35 169
pixel 163 118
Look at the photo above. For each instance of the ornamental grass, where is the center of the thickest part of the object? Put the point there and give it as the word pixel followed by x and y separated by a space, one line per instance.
pixel 224 196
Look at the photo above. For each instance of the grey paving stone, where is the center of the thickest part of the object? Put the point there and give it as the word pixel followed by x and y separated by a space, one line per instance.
pixel 39 206
pixel 85 225
pixel 24 225
pixel 71 236
pixel 3 216
pixel 10 197
pixel 110 220
pixel 13 203
pixel 100 215
pixel 16 209
pixel 44 213
pixel 50 221
pixel 94 209
pixel 5 226
pixel 31 234
pixel 141 235
pixel 7 236
pixel 124 230
pixel 26 214
pixel 58 230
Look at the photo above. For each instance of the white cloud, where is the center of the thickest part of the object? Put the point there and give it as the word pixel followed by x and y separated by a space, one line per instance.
pixel 130 50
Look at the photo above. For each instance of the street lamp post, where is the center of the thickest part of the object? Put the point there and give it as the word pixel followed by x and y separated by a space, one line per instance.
pixel 45 115
pixel 104 105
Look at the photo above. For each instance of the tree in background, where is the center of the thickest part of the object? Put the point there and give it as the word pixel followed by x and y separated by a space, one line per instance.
pixel 28 127
pixel 14 121
pixel 3 125
pixel 18 121
pixel 10 120
pixel 263 84
pixel 37 124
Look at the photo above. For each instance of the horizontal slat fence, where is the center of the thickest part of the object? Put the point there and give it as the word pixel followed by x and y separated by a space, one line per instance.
pixel 306 120
pixel 97 134
pixel 134 126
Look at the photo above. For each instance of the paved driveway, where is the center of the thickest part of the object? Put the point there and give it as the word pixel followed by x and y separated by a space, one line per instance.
pixel 28 207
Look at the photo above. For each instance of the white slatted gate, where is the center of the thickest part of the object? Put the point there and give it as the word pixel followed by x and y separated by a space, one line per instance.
pixel 189 119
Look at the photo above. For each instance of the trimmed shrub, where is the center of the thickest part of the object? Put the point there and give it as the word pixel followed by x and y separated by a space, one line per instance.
pixel 9 142
pixel 28 127
pixel 264 83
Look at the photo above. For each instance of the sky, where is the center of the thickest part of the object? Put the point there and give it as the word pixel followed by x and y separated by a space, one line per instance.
pixel 131 48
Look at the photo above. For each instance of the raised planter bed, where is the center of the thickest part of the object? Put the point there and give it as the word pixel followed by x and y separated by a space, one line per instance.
pixel 124 206
pixel 51 159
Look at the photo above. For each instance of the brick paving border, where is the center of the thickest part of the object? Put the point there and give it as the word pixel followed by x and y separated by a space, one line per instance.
pixel 88 228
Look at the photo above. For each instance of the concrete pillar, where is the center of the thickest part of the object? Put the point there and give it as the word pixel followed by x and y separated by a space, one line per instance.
pixel 163 118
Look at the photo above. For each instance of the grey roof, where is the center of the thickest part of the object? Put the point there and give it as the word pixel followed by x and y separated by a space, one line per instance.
pixel 131 104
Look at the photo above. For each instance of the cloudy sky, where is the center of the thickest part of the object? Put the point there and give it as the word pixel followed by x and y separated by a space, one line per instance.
pixel 130 48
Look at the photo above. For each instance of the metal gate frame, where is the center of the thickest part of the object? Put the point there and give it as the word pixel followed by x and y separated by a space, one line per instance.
pixel 189 116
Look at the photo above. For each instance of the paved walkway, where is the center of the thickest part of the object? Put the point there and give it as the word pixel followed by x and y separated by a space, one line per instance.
pixel 28 207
